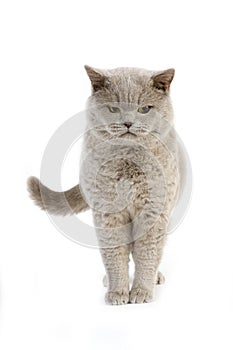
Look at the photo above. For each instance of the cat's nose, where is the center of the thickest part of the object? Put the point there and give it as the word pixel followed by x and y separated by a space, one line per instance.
pixel 128 124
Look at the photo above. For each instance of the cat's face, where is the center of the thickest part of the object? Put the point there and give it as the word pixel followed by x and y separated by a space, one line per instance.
pixel 129 102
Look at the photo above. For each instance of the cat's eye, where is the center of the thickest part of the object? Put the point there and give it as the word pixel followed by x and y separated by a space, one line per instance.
pixel 145 109
pixel 114 109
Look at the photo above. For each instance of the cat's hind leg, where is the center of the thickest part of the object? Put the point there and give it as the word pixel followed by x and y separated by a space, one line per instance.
pixel 160 279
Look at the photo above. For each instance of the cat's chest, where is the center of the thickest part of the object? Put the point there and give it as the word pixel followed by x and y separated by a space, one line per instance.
pixel 108 164
pixel 134 163
pixel 123 172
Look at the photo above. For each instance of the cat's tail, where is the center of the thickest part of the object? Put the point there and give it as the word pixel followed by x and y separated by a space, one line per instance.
pixel 57 203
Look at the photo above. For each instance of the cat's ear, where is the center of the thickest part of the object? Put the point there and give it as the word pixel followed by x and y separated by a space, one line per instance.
pixel 162 81
pixel 97 78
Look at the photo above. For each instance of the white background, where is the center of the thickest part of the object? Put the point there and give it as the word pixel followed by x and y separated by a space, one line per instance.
pixel 51 293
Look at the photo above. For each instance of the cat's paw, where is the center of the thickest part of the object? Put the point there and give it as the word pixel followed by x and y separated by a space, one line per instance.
pixel 160 279
pixel 117 298
pixel 139 295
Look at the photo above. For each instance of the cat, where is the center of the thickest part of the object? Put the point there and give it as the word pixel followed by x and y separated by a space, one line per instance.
pixel 130 177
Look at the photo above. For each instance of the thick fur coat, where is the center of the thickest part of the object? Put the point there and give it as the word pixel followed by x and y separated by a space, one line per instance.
pixel 130 176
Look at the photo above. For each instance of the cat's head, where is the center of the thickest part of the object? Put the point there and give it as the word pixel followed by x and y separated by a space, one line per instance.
pixel 129 101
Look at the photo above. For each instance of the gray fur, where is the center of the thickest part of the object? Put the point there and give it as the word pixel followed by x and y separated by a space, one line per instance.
pixel 57 203
pixel 134 219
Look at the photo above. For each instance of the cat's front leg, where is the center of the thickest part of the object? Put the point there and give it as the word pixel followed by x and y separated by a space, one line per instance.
pixel 114 234
pixel 116 264
pixel 147 252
